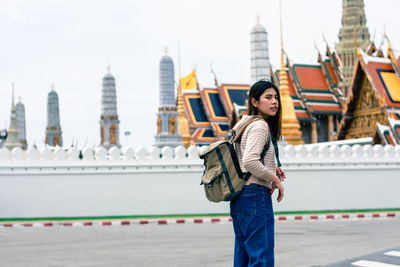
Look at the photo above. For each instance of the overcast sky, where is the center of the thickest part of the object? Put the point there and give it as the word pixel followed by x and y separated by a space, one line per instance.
pixel 71 43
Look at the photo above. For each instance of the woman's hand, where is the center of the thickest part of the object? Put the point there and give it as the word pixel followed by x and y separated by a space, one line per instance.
pixel 278 185
pixel 280 173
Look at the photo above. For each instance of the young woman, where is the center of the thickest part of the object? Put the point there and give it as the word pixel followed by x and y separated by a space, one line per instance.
pixel 252 214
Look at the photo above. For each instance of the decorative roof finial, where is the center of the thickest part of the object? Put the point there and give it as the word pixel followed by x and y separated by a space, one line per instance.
pixel 108 68
pixel 387 38
pixel 52 86
pixel 258 18
pixel 215 75
pixel 166 50
pixel 373 35
pixel 13 93
pixel 315 45
pixel 323 36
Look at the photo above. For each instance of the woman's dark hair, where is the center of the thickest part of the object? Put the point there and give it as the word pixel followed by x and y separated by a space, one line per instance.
pixel 274 122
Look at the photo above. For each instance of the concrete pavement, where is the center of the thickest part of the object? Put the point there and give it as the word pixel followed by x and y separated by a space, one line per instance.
pixel 298 243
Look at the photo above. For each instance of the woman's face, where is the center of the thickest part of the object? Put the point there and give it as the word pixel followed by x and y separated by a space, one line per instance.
pixel 268 103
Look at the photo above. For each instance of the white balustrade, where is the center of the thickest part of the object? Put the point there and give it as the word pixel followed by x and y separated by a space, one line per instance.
pixel 345 151
pixel 193 152
pixel 17 154
pixel 46 154
pixel 367 151
pixel 155 153
pixel 312 152
pixel 323 152
pixel 32 154
pixel 166 153
pixel 287 153
pixel 59 153
pixel 378 151
pixel 356 151
pixel 100 153
pixel 4 154
pixel 397 151
pixel 301 151
pixel 128 153
pixel 141 153
pixel 180 152
pixel 333 151
pixel 87 154
pixel 114 153
pixel 73 154
pixel 388 151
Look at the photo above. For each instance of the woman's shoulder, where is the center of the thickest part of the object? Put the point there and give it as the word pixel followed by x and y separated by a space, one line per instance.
pixel 260 124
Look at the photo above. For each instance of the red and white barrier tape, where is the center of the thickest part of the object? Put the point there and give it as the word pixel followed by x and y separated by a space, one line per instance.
pixel 127 222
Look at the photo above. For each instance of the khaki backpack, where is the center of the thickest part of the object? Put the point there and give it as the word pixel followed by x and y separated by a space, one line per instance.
pixel 222 178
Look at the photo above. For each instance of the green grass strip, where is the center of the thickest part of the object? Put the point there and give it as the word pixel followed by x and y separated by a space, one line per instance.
pixel 187 215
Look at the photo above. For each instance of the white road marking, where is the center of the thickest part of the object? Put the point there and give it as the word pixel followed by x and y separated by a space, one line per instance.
pixel 363 263
pixel 393 253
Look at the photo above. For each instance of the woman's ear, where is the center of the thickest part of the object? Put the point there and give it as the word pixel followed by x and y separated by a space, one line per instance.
pixel 254 102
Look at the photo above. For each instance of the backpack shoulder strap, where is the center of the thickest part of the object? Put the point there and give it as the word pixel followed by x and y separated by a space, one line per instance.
pixel 240 131
pixel 266 147
pixel 276 151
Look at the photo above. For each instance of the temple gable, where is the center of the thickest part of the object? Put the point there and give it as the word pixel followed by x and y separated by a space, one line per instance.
pixel 367 113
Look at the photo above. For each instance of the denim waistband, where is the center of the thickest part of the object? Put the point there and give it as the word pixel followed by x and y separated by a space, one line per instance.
pixel 257 186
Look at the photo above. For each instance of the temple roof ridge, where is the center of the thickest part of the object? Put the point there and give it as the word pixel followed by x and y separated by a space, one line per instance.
pixel 324 57
pixel 367 58
pixel 316 64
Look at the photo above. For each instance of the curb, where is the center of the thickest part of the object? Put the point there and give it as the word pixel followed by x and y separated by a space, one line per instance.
pixel 278 218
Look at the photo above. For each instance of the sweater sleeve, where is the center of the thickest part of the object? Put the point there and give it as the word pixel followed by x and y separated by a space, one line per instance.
pixel 256 139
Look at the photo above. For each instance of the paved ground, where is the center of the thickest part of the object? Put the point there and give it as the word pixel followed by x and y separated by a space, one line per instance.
pixel 385 258
pixel 298 243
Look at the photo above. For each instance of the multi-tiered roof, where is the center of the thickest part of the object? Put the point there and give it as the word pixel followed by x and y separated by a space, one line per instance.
pixel 209 110
pixel 373 108
pixel 311 88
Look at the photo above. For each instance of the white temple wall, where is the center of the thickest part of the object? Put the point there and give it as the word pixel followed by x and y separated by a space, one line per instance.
pixel 110 183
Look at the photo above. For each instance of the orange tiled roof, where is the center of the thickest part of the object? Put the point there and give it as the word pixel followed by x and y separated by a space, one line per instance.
pixel 315 89
pixel 386 81
pixel 301 112
pixel 331 74
pixel 310 77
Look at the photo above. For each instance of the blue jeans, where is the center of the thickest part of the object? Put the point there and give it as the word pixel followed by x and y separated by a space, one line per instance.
pixel 253 223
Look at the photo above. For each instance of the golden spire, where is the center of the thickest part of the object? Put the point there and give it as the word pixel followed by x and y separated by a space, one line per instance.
pixel 290 125
pixel 183 123
pixel 391 55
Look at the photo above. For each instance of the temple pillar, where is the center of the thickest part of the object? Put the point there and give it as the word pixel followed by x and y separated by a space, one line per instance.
pixel 330 127
pixel 314 133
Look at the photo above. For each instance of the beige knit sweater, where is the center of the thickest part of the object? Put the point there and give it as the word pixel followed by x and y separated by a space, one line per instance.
pixel 249 150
